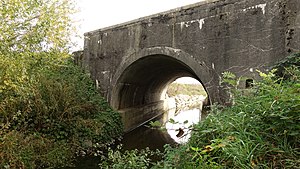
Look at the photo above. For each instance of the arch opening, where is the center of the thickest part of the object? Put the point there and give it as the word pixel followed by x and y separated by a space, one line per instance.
pixel 188 96
pixel 140 83
pixel 145 81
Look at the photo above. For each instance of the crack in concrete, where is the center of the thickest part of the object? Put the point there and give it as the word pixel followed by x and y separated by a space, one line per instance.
pixel 253 46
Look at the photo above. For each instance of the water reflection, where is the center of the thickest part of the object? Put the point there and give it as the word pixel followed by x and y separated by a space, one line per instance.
pixel 179 130
pixel 143 137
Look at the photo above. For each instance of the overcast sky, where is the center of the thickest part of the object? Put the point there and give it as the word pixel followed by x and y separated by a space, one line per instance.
pixel 96 14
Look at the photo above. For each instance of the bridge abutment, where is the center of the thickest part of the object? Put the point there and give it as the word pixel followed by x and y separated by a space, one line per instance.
pixel 136 116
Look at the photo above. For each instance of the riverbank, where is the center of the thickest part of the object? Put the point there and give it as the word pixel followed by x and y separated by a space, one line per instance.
pixel 186 102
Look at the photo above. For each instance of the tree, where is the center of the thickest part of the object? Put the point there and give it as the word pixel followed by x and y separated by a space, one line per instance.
pixel 33 34
pixel 35 25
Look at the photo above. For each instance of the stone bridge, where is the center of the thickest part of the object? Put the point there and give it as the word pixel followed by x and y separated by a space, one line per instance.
pixel 132 63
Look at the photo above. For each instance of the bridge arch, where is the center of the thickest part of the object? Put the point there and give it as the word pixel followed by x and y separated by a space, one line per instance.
pixel 142 76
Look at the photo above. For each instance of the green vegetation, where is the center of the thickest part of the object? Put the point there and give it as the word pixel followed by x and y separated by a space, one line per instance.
pixel 187 89
pixel 130 159
pixel 260 130
pixel 49 108
pixel 62 113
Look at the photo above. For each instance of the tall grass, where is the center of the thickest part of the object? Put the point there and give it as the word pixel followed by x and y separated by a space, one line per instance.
pixel 261 130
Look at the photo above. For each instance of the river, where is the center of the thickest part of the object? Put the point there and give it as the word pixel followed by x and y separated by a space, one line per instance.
pixel 144 136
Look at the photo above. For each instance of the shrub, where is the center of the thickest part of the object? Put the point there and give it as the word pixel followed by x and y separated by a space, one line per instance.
pixel 129 159
pixel 62 107
pixel 32 151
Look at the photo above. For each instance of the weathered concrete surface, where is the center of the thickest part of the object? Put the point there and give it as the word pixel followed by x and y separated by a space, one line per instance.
pixel 133 62
pixel 136 116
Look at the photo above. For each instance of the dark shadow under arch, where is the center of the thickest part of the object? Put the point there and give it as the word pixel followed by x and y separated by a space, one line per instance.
pixel 142 77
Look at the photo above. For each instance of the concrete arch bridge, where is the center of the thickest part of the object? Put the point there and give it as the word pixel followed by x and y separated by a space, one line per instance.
pixel 133 62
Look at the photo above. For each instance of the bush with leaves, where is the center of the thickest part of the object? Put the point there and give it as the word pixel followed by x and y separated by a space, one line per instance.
pixel 49 108
pixel 64 107
pixel 129 159
pixel 34 36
